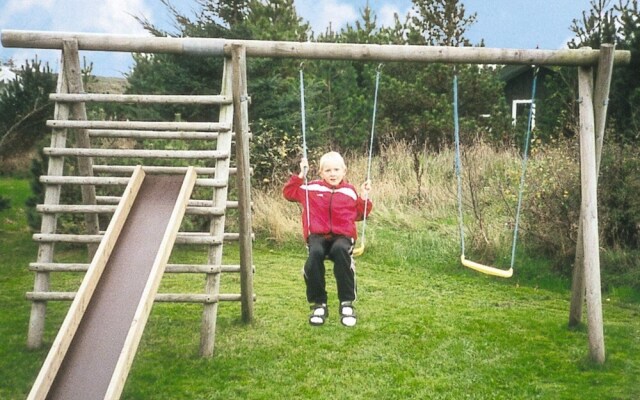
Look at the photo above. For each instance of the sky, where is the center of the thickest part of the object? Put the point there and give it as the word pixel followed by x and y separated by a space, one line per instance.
pixel 520 24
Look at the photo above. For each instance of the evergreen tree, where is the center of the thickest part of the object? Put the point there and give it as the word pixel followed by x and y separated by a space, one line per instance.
pixel 618 24
pixel 25 108
pixel 440 23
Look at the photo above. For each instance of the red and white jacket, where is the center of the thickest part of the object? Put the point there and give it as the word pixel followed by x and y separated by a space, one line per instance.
pixel 332 209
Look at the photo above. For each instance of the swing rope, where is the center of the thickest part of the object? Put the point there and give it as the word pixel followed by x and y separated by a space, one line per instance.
pixel 458 167
pixel 525 158
pixel 359 250
pixel 304 145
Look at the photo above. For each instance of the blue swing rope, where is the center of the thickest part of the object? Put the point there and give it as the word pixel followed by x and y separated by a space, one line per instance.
pixel 458 168
pixel 525 158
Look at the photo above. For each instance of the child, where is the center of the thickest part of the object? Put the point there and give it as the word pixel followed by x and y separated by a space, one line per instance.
pixel 330 207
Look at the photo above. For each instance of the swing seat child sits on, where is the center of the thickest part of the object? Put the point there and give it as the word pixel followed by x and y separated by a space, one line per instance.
pixel 330 208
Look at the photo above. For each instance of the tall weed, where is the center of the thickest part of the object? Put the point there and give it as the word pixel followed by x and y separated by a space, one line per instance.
pixel 491 178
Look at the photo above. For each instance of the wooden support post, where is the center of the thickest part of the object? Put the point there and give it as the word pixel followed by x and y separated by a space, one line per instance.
pixel 589 212
pixel 78 112
pixel 216 227
pixel 243 178
pixel 600 105
pixel 48 224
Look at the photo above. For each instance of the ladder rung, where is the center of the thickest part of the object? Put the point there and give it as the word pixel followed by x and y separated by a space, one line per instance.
pixel 160 297
pixel 128 169
pixel 140 98
pixel 75 209
pixel 110 209
pixel 192 203
pixel 182 238
pixel 122 181
pixel 197 298
pixel 138 125
pixel 130 153
pixel 171 268
pixel 58 267
pixel 138 134
pixel 83 180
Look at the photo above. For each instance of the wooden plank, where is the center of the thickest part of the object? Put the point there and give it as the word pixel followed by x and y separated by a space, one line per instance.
pixel 80 303
pixel 144 307
pixel 139 98
pixel 589 212
pixel 138 125
pixel 308 50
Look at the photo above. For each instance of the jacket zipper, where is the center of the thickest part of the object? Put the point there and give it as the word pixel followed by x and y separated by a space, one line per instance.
pixel 330 208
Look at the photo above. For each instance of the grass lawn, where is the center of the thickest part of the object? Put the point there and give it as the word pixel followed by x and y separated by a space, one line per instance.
pixel 427 329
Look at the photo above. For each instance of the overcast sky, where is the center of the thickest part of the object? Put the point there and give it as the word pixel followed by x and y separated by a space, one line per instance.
pixel 501 23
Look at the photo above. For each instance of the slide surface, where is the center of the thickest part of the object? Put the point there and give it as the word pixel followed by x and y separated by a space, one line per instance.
pixel 89 364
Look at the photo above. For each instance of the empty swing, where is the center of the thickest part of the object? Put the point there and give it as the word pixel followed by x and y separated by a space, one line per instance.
pixel 358 251
pixel 485 269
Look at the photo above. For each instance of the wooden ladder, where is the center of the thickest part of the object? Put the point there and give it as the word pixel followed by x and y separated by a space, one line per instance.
pixel 100 182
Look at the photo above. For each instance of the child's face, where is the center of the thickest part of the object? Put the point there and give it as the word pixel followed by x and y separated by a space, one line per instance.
pixel 332 172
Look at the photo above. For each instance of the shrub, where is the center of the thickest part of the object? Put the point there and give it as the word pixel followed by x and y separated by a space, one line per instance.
pixel 5 203
pixel 619 186
pixel 551 206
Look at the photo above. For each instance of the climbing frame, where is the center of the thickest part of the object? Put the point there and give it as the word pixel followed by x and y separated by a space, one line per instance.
pixel 83 154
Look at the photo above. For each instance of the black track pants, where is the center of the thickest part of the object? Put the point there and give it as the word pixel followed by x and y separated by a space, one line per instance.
pixel 338 249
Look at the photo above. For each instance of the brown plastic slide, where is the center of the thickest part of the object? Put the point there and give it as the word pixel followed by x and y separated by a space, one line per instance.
pixel 87 368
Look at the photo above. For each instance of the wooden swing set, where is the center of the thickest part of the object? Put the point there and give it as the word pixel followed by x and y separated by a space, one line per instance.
pixel 233 102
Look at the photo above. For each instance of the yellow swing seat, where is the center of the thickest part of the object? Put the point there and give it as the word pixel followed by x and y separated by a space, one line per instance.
pixel 485 269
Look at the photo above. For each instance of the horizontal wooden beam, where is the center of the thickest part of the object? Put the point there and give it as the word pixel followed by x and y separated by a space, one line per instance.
pixel 129 153
pixel 110 209
pixel 128 169
pixel 138 98
pixel 183 238
pixel 192 202
pixel 109 180
pixel 139 125
pixel 160 297
pixel 308 50
pixel 144 134
pixel 171 268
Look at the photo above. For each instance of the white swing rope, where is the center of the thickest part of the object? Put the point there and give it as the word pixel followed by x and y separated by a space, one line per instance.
pixel 359 250
pixel 304 147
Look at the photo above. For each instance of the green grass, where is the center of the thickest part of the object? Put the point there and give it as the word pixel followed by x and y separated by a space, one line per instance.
pixel 427 329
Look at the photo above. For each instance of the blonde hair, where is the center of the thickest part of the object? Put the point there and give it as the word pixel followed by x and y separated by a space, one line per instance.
pixel 332 156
